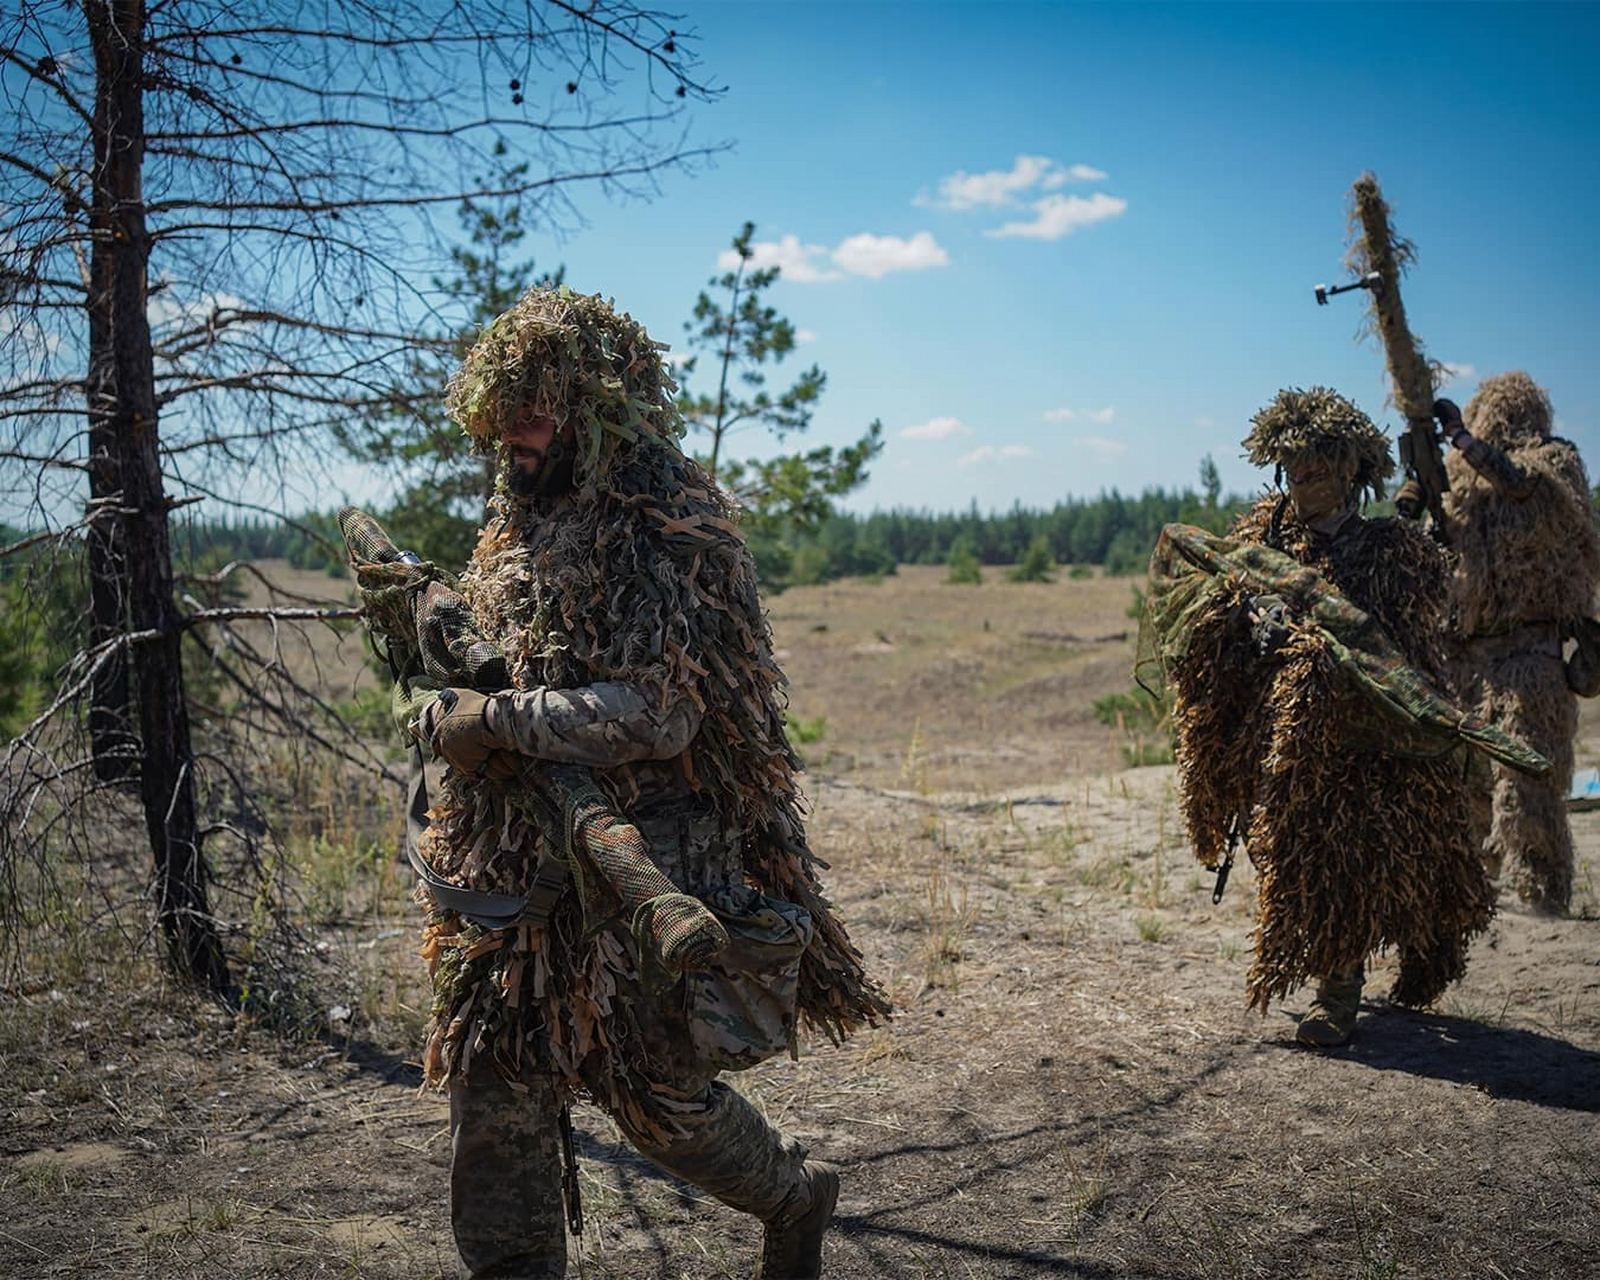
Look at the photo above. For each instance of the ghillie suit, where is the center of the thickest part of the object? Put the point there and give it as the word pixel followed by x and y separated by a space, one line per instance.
pixel 625 602
pixel 1520 519
pixel 1346 786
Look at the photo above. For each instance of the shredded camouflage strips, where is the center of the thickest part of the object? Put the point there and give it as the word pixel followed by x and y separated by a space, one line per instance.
pixel 637 575
pixel 570 356
pixel 1357 848
pixel 1319 423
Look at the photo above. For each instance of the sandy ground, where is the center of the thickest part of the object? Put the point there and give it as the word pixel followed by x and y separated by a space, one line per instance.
pixel 1071 1086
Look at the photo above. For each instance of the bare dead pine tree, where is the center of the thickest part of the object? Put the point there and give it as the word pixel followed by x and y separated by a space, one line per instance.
pixel 216 219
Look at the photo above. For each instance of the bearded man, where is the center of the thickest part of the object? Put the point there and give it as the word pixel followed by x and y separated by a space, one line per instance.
pixel 612 576
pixel 1303 652
pixel 1521 521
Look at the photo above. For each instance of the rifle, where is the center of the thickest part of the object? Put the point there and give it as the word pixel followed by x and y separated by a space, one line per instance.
pixel 1380 256
pixel 426 632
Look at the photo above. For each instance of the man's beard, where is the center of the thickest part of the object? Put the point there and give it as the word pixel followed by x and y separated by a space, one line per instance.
pixel 553 474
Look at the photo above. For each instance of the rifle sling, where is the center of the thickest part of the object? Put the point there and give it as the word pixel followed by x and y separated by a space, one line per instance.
pixel 487 910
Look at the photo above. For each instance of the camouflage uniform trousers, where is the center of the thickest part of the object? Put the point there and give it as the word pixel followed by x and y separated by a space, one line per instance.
pixel 506 1204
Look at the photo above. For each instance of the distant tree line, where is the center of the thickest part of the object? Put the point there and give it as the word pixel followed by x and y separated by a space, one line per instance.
pixel 1111 530
pixel 311 541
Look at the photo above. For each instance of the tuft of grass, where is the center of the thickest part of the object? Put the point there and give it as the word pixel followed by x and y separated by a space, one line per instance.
pixel 1143 720
pixel 913 768
pixel 949 916
pixel 1150 927
pixel 1142 754
pixel 1472 1011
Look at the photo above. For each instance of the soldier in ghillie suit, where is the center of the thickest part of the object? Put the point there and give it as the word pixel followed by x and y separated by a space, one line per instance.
pixel 613 577
pixel 1521 522
pixel 1303 652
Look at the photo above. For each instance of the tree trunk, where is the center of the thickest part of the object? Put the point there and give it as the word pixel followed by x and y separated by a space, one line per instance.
pixel 112 744
pixel 129 413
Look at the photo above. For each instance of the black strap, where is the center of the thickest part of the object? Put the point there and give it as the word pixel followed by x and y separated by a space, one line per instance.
pixel 1227 862
pixel 570 1191
pixel 488 910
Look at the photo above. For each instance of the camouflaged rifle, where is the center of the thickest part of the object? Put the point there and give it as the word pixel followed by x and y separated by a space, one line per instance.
pixel 425 631
pixel 1381 256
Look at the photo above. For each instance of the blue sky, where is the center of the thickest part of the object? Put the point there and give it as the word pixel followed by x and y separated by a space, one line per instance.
pixel 1064 248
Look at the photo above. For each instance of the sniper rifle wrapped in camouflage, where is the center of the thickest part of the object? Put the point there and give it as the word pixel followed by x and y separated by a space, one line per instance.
pixel 1404 713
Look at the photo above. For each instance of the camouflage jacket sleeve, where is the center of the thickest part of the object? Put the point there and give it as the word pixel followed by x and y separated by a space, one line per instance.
pixel 1495 467
pixel 599 725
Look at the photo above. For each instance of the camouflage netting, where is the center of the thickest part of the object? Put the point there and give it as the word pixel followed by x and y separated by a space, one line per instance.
pixel 1509 410
pixel 641 576
pixel 1322 424
pixel 1527 569
pixel 573 357
pixel 1537 559
pixel 1357 849
pixel 1375 246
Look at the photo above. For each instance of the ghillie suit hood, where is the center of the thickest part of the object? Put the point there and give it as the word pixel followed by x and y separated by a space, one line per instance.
pixel 1509 410
pixel 638 574
pixel 1537 559
pixel 1526 569
pixel 1357 848
pixel 1322 424
pixel 575 358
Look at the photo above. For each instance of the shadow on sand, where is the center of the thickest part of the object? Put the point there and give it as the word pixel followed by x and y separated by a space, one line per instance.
pixel 1505 1062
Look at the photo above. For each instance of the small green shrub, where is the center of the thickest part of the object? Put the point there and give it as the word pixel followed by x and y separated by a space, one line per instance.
pixel 964 568
pixel 801 731
pixel 1036 562
pixel 1143 719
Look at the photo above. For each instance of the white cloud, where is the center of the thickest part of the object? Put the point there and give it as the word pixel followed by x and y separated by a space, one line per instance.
pixel 875 256
pixel 937 429
pixel 1056 216
pixel 1092 415
pixel 988 453
pixel 1099 444
pixel 804 335
pixel 858 255
pixel 1204 422
pixel 1454 372
pixel 798 262
pixel 962 190
pixel 998 187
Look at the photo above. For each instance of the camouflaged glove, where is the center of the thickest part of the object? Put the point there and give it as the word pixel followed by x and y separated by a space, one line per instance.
pixel 455 725
pixel 1269 624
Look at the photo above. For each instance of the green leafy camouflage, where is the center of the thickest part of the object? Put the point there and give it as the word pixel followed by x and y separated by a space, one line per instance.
pixel 1403 712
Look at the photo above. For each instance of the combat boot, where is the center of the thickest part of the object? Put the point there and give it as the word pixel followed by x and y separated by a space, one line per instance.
pixel 791 1244
pixel 1331 1019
